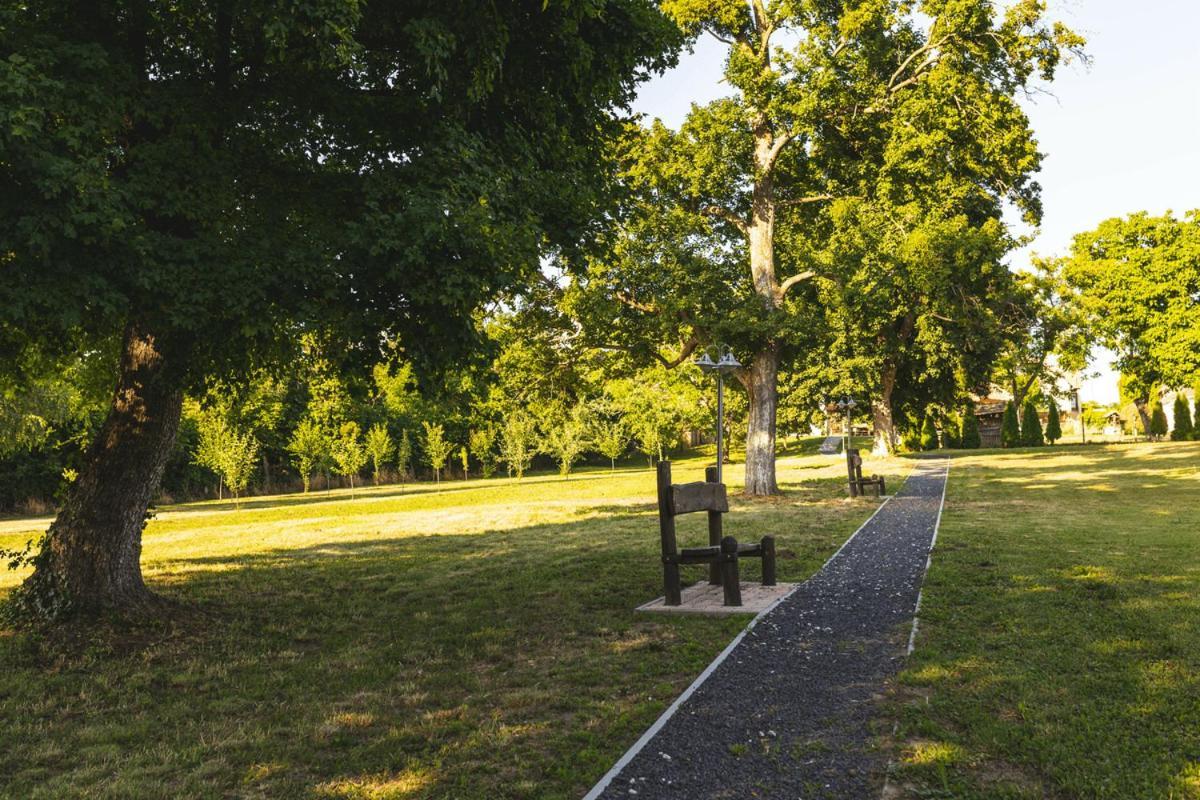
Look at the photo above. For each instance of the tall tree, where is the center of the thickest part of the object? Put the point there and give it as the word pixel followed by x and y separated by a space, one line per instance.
pixel 970 430
pixel 373 169
pixel 309 448
pixel 1010 427
pixel 437 448
pixel 1053 423
pixel 1181 431
pixel 379 448
pixel 1138 280
pixel 1045 331
pixel 843 114
pixel 1031 426
pixel 1158 418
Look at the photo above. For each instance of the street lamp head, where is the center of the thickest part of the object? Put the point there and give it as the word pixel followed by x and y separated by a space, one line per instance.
pixel 705 363
pixel 728 363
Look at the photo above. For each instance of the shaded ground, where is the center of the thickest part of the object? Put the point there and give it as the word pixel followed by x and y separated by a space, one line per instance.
pixel 788 713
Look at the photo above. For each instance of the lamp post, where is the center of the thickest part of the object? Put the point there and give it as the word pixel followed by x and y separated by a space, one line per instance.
pixel 724 364
pixel 847 405
pixel 1079 413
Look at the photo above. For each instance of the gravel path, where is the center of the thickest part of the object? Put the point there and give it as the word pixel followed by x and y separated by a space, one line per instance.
pixel 787 713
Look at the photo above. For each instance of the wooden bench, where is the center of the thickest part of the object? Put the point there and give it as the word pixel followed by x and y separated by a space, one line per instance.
pixel 721 554
pixel 859 484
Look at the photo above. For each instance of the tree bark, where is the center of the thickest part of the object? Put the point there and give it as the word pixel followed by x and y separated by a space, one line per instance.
pixel 91 557
pixel 760 382
pixel 881 412
pixel 760 379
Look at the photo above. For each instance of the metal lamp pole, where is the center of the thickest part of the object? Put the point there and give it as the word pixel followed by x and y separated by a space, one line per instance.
pixel 1079 411
pixel 846 404
pixel 725 363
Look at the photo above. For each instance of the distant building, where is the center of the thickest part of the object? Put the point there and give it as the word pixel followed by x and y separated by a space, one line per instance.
pixel 989 411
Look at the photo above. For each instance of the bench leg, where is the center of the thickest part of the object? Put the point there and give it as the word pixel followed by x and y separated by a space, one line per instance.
pixel 729 572
pixel 768 561
pixel 672 591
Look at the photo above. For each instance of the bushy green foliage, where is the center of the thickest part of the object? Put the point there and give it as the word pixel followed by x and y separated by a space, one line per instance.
pixel 379 448
pixel 970 431
pixel 951 432
pixel 1183 419
pixel 611 437
pixel 929 434
pixel 1137 278
pixel 309 448
pixel 404 456
pixel 1010 427
pixel 1053 423
pixel 482 441
pixel 437 448
pixel 228 452
pixel 1031 426
pixel 1158 418
pixel 347 451
pixel 564 435
pixel 517 445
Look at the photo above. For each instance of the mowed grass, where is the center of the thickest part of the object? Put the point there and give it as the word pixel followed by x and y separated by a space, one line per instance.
pixel 473 642
pixel 1059 646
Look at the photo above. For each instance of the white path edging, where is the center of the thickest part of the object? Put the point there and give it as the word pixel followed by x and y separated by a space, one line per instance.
pixel 650 733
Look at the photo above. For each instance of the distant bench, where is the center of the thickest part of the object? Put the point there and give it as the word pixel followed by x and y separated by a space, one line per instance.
pixel 721 554
pixel 859 484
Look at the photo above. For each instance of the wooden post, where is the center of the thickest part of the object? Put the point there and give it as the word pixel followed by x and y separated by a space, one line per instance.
pixel 850 473
pixel 672 591
pixel 768 561
pixel 714 530
pixel 729 572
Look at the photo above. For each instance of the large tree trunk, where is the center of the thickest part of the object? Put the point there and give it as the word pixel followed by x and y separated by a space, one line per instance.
pixel 760 378
pixel 881 411
pixel 1143 410
pixel 760 382
pixel 91 557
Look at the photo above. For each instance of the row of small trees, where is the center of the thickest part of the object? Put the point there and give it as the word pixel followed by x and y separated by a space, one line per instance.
pixel 565 435
pixel 1028 431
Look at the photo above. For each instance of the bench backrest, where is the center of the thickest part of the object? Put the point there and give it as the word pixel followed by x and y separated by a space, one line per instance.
pixel 684 498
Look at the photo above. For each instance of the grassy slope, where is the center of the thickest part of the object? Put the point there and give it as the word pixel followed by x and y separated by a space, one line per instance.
pixel 1059 653
pixel 472 643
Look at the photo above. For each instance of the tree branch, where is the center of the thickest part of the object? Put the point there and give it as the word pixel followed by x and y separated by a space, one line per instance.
pixel 647 308
pixel 776 148
pixel 689 347
pixel 724 213
pixel 722 39
pixel 792 281
pixel 812 198
pixel 922 50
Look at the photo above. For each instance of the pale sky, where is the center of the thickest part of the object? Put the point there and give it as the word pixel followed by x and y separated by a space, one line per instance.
pixel 1119 136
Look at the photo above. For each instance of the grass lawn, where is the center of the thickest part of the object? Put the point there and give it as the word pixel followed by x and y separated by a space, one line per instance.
pixel 1059 647
pixel 473 642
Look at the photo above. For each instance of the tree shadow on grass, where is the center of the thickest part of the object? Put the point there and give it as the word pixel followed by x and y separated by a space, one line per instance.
pixel 499 665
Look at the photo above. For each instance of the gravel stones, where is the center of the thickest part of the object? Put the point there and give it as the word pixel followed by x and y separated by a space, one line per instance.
pixel 788 713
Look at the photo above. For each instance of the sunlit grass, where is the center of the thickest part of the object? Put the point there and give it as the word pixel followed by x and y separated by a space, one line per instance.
pixel 476 641
pixel 1059 648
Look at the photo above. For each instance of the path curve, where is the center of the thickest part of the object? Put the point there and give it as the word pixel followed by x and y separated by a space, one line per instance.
pixel 785 710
